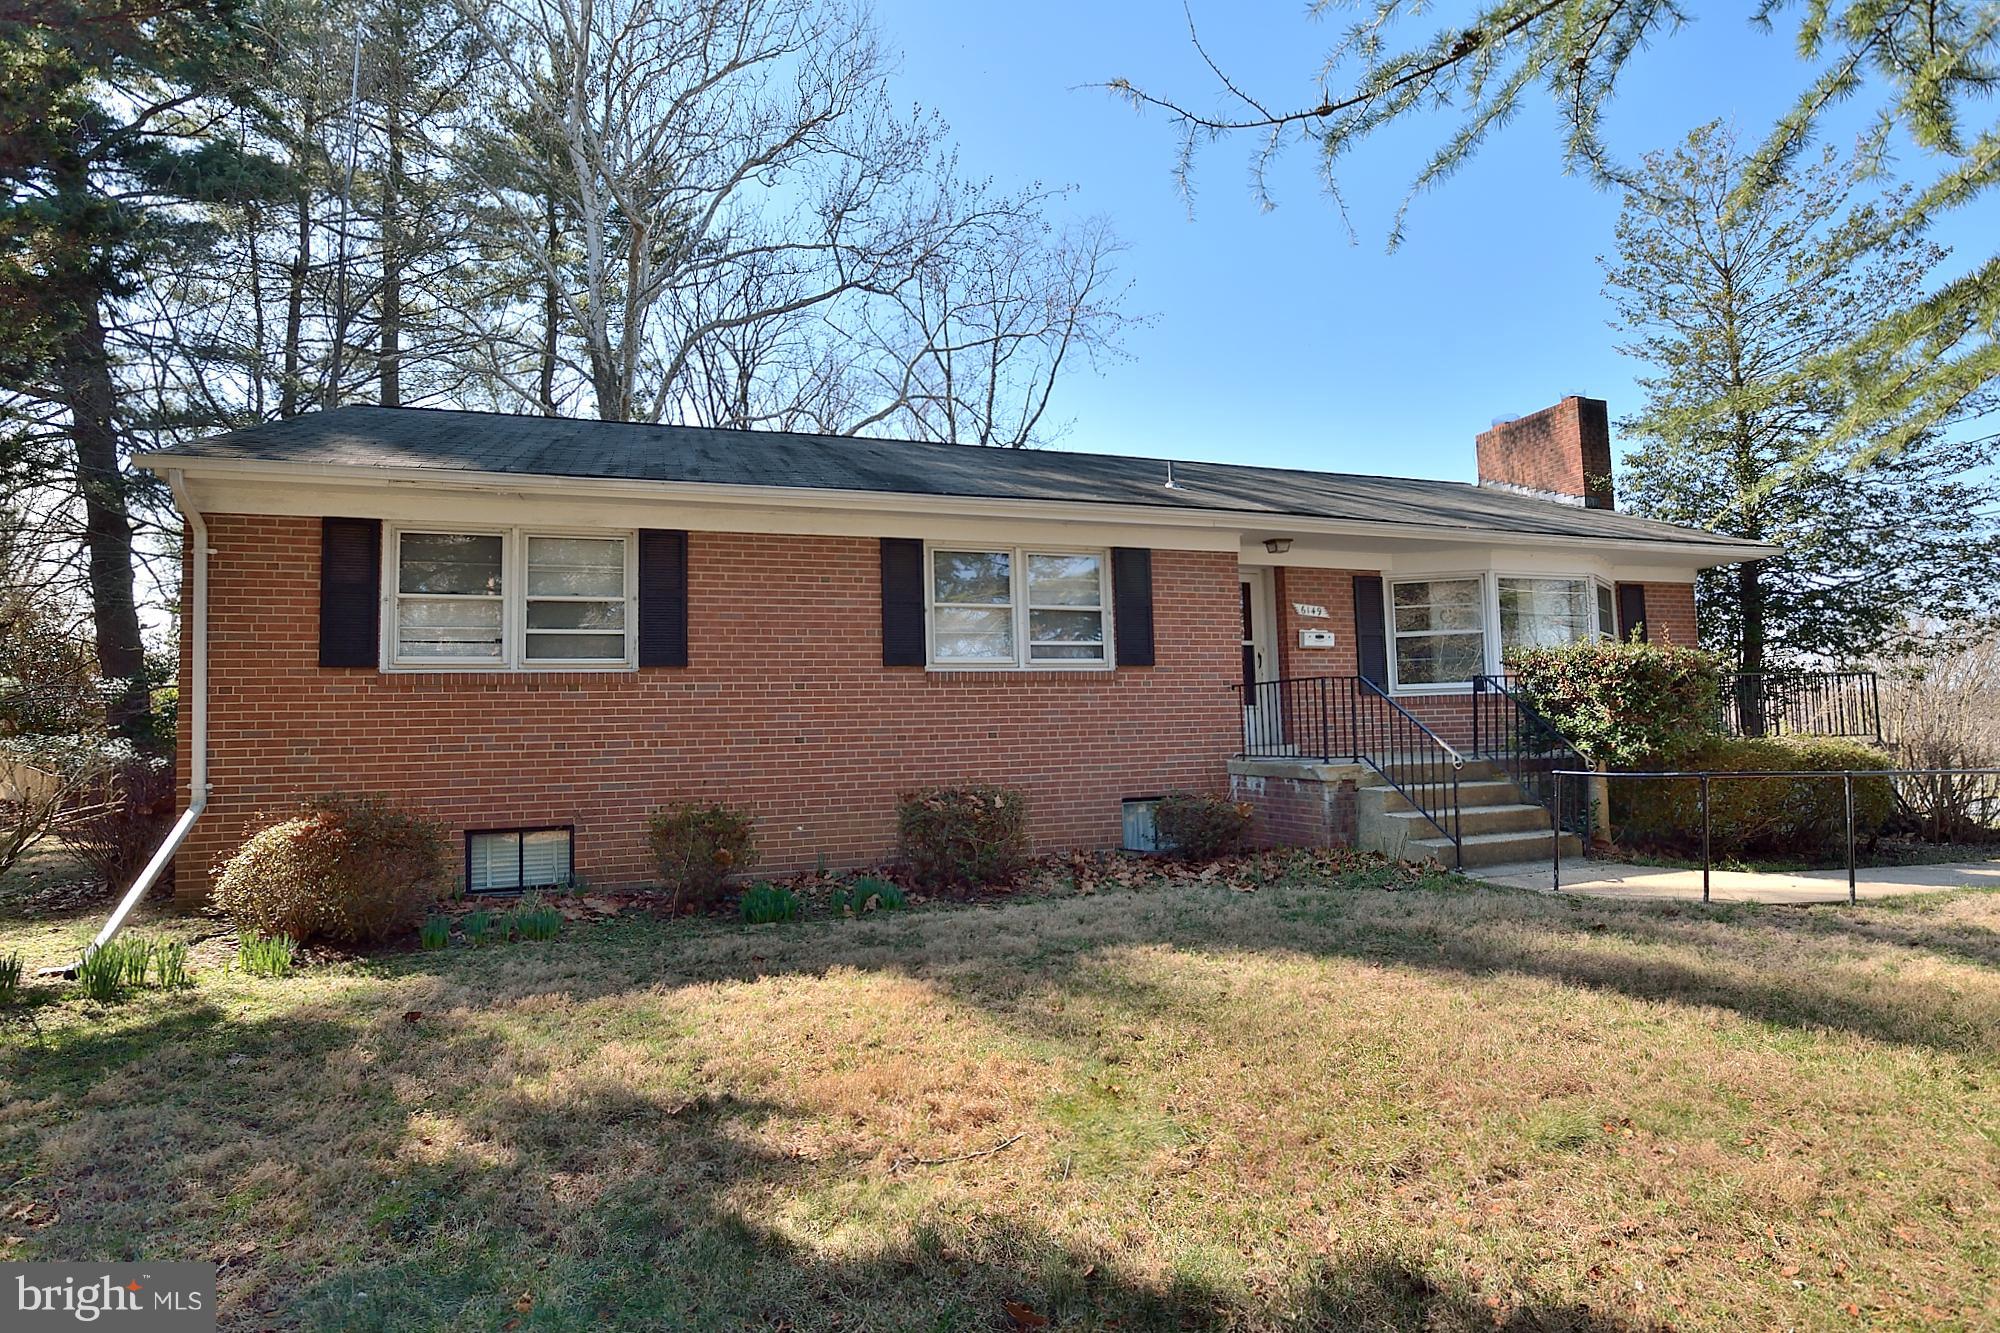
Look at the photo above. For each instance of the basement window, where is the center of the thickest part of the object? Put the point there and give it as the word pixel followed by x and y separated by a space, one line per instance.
pixel 511 860
pixel 1141 835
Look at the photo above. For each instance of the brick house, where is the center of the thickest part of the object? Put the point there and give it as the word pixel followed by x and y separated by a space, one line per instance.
pixel 542 629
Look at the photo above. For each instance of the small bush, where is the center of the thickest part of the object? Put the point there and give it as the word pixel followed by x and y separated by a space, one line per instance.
pixel 1624 704
pixel 536 920
pixel 115 841
pixel 764 903
pixel 266 955
pixel 1200 828
pixel 696 848
pixel 962 837
pixel 1759 816
pixel 10 978
pixel 354 870
pixel 170 966
pixel 434 933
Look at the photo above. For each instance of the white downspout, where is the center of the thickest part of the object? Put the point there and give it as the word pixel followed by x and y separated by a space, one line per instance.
pixel 196 716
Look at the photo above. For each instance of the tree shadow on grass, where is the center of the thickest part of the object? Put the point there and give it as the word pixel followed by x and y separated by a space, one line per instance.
pixel 528 1244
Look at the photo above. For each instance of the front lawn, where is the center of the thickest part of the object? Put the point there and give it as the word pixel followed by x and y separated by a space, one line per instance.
pixel 1310 1106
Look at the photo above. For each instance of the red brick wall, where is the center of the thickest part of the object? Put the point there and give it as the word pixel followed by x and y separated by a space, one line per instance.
pixel 1332 589
pixel 1298 812
pixel 1670 614
pixel 786 709
pixel 1564 450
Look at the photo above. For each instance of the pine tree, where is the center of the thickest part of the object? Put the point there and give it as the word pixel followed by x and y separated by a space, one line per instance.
pixel 1733 309
pixel 110 117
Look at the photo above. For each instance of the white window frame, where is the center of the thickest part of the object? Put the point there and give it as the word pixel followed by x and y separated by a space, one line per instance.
pixel 1489 602
pixel 1017 589
pixel 513 600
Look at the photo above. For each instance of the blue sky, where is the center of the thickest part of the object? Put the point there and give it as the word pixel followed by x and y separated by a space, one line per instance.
pixel 1277 340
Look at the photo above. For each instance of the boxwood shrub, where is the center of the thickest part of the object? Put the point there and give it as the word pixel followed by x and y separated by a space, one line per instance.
pixel 1803 817
pixel 347 869
pixel 963 836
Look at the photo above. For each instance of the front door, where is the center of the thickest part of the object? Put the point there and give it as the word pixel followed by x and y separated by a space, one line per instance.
pixel 1262 731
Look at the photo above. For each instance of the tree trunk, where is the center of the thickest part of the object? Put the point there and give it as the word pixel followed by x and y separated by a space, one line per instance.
pixel 551 312
pixel 388 364
pixel 85 379
pixel 295 304
pixel 1750 657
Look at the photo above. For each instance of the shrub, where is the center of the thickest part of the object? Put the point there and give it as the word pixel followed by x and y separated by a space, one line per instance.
pixel 10 978
pixel 1759 816
pixel 962 837
pixel 354 870
pixel 1624 704
pixel 697 847
pixel 764 903
pixel 266 955
pixel 435 932
pixel 114 841
pixel 1200 828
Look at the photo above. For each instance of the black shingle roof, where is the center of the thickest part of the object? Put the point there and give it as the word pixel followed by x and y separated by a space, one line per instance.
pixel 452 441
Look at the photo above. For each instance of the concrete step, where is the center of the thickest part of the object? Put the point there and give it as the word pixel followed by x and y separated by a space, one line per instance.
pixel 1491 849
pixel 1384 799
pixel 1522 817
pixel 1474 770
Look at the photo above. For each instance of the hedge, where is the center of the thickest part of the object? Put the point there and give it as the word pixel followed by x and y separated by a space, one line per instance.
pixel 1753 816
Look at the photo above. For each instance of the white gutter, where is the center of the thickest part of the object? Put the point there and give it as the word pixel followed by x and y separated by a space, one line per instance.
pixel 196 734
pixel 391 476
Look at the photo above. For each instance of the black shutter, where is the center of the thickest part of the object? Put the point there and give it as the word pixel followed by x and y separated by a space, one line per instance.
pixel 663 597
pixel 902 601
pixel 1371 634
pixel 350 592
pixel 1632 610
pixel 1132 604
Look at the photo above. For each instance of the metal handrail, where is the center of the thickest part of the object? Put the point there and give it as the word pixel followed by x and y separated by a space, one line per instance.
pixel 1529 745
pixel 1706 776
pixel 1803 703
pixel 1305 717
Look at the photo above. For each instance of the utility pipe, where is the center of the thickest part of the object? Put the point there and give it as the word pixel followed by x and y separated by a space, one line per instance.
pixel 195 736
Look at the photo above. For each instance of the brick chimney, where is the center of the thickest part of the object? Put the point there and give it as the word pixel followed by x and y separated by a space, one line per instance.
pixel 1560 453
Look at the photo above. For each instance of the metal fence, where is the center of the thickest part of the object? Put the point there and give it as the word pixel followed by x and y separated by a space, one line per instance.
pixel 1974 794
pixel 1803 703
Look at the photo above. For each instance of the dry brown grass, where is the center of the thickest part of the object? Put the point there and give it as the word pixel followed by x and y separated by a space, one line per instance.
pixel 1313 1106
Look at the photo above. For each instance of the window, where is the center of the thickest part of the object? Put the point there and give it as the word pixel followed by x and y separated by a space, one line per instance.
pixel 508 860
pixel 1607 613
pixel 448 597
pixel 1440 631
pixel 510 598
pixel 1017 607
pixel 1545 613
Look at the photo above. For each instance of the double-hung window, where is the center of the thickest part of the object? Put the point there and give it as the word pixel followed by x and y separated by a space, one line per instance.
pixel 1018 607
pixel 510 598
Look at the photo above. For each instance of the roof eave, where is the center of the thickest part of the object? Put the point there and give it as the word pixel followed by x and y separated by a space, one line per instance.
pixel 1701 548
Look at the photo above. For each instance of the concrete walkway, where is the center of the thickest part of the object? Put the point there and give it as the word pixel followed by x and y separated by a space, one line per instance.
pixel 1613 879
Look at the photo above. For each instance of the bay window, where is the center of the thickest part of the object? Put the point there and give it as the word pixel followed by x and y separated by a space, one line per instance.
pixel 1440 626
pixel 1017 607
pixel 510 598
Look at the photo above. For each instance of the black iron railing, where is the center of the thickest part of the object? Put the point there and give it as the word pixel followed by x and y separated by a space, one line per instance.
pixel 1803 703
pixel 1330 718
pixel 1526 747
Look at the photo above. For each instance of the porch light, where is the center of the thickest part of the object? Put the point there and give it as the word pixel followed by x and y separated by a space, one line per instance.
pixel 1277 545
